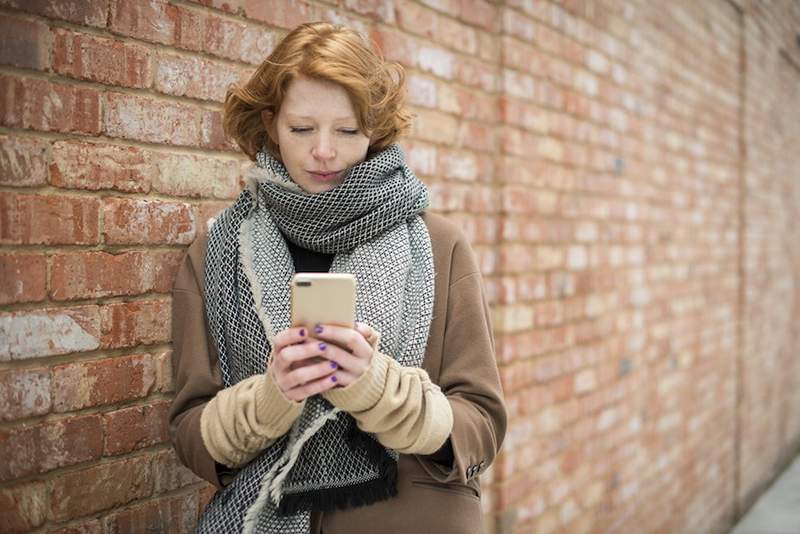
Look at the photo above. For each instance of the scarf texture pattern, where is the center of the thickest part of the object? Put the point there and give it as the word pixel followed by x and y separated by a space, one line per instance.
pixel 372 223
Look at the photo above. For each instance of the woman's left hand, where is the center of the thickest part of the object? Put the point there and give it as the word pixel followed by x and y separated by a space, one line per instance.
pixel 350 348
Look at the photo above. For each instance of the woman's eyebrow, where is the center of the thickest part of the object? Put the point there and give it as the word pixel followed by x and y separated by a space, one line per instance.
pixel 309 117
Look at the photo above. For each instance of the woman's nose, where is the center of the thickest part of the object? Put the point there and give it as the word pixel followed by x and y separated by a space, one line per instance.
pixel 323 149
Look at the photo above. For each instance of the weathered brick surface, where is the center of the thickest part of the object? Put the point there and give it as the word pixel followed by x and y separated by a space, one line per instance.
pixel 39 448
pixel 98 59
pixel 23 161
pixel 37 104
pixel 109 485
pixel 23 507
pixel 29 219
pixel 23 278
pixel 625 173
pixel 101 382
pixel 24 393
pixel 133 428
pixel 138 222
pixel 23 43
pixel 49 331
pixel 100 274
pixel 135 323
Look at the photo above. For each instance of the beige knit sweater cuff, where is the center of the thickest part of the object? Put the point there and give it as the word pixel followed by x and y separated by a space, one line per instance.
pixel 244 419
pixel 400 405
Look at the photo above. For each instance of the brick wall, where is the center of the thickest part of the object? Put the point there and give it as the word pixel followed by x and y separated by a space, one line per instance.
pixel 627 172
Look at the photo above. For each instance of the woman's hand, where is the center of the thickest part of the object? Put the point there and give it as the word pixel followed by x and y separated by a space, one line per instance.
pixel 297 367
pixel 350 349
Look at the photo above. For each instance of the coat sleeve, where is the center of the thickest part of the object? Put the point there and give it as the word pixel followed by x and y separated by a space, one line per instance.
pixel 468 375
pixel 195 371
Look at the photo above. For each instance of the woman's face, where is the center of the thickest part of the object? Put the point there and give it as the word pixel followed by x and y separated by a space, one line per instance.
pixel 317 133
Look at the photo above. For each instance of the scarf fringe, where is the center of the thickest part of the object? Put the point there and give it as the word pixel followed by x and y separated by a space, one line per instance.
pixel 329 499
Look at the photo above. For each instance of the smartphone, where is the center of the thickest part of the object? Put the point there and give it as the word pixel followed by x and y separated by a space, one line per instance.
pixel 323 298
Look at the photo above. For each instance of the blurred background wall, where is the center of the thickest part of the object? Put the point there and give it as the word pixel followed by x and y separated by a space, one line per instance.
pixel 628 172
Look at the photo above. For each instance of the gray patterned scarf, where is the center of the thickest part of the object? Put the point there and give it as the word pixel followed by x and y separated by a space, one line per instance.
pixel 372 224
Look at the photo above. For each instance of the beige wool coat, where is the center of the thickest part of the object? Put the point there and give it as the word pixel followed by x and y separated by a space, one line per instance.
pixel 459 358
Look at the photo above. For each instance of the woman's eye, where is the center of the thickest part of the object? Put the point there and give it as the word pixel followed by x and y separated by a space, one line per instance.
pixel 299 129
pixel 349 131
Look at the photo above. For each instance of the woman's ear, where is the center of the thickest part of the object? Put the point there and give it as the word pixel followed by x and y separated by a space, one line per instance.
pixel 268 118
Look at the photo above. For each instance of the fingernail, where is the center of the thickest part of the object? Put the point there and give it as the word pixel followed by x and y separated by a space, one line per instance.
pixel 318 329
pixel 333 379
pixel 334 365
pixel 302 332
pixel 323 346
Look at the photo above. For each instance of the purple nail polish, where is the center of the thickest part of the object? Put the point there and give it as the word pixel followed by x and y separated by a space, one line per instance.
pixel 323 346
pixel 333 379
pixel 334 365
pixel 302 332
pixel 318 329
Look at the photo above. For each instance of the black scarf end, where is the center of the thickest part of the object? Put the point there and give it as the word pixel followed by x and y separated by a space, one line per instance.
pixel 330 499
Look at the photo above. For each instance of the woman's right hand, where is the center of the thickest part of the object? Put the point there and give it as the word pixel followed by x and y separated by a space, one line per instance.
pixel 296 366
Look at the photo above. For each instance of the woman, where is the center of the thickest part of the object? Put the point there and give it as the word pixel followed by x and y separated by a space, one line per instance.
pixel 323 428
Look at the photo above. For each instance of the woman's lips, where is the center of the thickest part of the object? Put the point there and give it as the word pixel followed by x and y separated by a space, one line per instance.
pixel 325 176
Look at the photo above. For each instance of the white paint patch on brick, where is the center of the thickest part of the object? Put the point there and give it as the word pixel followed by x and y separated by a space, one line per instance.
pixel 33 335
pixel 436 60
pixel 460 166
pixel 577 258
pixel 422 158
pixel 421 91
pixel 194 176
pixel 585 381
pixel 597 62
pixel 24 393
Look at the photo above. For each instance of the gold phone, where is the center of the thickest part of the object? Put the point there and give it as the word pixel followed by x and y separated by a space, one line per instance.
pixel 323 298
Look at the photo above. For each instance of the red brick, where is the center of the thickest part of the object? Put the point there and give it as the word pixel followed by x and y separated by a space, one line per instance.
pixel 477 136
pixel 282 14
pixel 24 393
pixel 476 73
pixel 23 43
pixel 100 274
pixel 378 10
pixel 417 19
pixel 168 514
pixel 23 507
pixel 154 21
pixel 481 13
pixel 34 334
pixel 133 221
pixel 93 383
pixel 135 323
pixel 99 59
pixel 190 29
pixel 23 161
pixel 212 135
pixel 48 220
pixel 29 450
pixel 130 429
pixel 94 489
pixel 146 119
pixel 23 278
pixel 206 211
pixel 395 46
pixel 189 175
pixel 42 105
pixel 194 77
pixel 169 473
pixel 163 366
pixel 228 6
pixel 96 166
pixel 93 526
pixel 88 12
pixel 233 39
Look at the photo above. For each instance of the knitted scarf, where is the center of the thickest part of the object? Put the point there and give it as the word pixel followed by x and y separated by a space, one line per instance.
pixel 371 223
